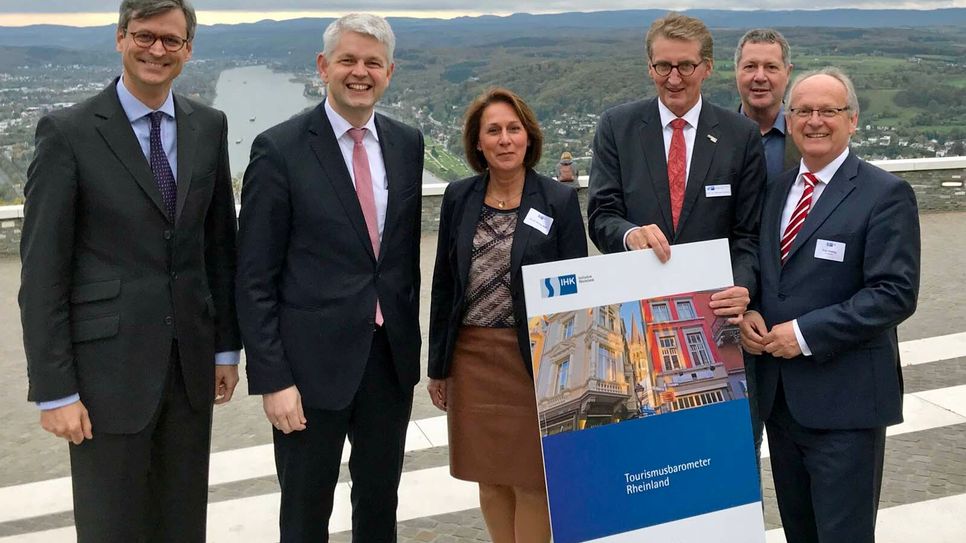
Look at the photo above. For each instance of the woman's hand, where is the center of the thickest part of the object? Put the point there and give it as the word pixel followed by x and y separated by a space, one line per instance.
pixel 437 392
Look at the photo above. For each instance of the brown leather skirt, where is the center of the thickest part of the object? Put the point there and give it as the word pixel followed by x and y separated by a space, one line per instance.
pixel 492 412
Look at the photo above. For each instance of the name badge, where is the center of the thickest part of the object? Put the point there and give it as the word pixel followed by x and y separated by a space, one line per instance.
pixel 830 250
pixel 717 191
pixel 539 221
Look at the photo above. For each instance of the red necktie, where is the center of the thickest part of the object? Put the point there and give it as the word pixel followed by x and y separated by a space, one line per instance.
pixel 677 160
pixel 799 215
pixel 367 199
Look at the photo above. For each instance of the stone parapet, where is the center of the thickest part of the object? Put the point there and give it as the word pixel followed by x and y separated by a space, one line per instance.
pixel 938 182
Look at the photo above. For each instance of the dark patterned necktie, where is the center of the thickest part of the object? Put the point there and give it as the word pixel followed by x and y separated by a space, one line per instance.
pixel 161 168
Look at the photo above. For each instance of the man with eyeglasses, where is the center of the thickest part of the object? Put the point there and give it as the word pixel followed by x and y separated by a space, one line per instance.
pixel 677 169
pixel 127 294
pixel 839 271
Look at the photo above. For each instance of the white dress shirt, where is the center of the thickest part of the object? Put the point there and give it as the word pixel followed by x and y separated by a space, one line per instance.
pixel 377 167
pixel 690 130
pixel 824 176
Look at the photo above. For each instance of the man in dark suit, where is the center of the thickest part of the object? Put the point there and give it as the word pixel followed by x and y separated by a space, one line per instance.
pixel 839 272
pixel 127 295
pixel 329 287
pixel 762 69
pixel 677 169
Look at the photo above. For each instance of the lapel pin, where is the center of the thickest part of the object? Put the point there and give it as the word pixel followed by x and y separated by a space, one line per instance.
pixel 712 138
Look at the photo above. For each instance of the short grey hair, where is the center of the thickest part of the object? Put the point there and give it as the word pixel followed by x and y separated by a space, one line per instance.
pixel 764 35
pixel 132 10
pixel 851 99
pixel 361 23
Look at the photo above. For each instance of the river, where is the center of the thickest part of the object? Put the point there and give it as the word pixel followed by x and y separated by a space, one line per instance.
pixel 255 98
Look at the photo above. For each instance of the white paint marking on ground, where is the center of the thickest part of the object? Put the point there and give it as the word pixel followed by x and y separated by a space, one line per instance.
pixel 942 520
pixel 251 520
pixel 942 407
pixel 951 398
pixel 932 349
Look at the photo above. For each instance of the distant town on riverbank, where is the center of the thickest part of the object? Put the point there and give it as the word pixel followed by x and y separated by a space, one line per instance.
pixel 908 66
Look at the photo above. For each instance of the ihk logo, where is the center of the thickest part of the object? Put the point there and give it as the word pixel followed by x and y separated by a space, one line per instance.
pixel 559 286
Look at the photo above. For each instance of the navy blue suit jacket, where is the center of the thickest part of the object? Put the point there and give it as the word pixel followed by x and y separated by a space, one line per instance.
pixel 847 311
pixel 308 278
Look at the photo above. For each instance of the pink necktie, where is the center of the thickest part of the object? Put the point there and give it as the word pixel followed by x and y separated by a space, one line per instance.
pixel 677 158
pixel 799 216
pixel 367 199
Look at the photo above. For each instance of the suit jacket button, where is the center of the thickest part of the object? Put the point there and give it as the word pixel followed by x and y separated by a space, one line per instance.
pixel 168 234
pixel 169 320
pixel 174 275
pixel 781 296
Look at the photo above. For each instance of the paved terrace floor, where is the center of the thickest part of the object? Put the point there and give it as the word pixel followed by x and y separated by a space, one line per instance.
pixel 923 498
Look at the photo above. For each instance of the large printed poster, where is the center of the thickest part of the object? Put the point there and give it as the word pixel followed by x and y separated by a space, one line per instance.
pixel 642 399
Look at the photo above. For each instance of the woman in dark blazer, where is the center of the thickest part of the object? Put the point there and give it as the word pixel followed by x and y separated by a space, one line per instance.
pixel 479 349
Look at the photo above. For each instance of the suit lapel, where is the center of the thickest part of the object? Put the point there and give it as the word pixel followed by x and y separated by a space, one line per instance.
pixel 843 182
pixel 521 237
pixel 114 126
pixel 652 141
pixel 326 148
pixel 701 157
pixel 467 227
pixel 395 168
pixel 187 143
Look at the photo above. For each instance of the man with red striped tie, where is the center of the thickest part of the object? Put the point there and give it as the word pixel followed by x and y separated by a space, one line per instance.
pixel 839 257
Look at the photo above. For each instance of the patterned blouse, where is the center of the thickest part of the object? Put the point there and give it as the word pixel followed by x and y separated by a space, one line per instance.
pixel 488 300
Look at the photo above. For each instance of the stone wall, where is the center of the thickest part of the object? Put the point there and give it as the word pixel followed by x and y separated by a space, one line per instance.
pixel 939 186
pixel 11 220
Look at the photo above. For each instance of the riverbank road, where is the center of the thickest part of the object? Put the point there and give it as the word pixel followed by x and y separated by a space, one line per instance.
pixel 923 494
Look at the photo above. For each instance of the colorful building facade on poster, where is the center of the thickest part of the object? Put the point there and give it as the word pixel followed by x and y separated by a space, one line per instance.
pixel 695 356
pixel 593 368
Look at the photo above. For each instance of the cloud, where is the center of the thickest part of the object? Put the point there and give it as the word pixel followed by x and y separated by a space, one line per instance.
pixel 494 6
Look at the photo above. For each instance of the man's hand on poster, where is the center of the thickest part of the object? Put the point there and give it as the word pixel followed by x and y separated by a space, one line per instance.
pixel 781 341
pixel 649 236
pixel 753 331
pixel 731 302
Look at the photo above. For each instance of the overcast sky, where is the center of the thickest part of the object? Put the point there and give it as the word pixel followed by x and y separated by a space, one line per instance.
pixel 232 11
pixel 49 6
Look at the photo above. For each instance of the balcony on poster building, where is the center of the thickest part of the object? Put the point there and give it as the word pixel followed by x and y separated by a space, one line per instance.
pixel 725 333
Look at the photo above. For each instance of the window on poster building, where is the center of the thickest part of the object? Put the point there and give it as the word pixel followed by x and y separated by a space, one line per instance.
pixel 563 374
pixel 660 312
pixel 698 347
pixel 606 364
pixel 670 353
pixel 686 310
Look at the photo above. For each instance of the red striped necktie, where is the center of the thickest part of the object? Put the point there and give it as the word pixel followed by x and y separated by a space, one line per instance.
pixel 799 216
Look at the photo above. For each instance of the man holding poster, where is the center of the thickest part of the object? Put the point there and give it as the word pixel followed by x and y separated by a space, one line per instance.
pixel 839 271
pixel 703 183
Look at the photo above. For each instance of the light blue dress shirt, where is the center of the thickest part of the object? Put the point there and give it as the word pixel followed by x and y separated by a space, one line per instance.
pixel 773 142
pixel 137 113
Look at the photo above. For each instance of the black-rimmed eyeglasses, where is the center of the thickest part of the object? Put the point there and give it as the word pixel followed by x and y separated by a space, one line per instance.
pixel 685 68
pixel 146 40
pixel 827 112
